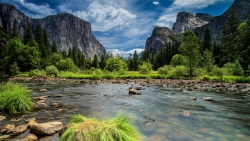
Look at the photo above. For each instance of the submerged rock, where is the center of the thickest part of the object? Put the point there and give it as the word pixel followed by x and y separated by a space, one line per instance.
pixel 192 98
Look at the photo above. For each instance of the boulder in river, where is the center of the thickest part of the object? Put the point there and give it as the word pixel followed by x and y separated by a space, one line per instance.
pixel 2 118
pixel 132 91
pixel 30 137
pixel 192 98
pixel 46 128
pixel 43 90
pixel 207 99
pixel 18 130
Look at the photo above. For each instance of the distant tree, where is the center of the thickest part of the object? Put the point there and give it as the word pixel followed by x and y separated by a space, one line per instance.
pixel 190 49
pixel 102 63
pixel 27 35
pixel 243 43
pixel 74 55
pixel 66 65
pixel 228 39
pixel 145 68
pixel 54 47
pixel 135 61
pixel 206 40
pixel 95 62
pixel 208 60
pixel 56 57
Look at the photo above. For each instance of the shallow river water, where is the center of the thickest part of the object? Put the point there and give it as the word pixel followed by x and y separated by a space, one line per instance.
pixel 158 116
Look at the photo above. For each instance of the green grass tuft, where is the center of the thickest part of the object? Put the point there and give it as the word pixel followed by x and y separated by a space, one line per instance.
pixel 14 98
pixel 111 129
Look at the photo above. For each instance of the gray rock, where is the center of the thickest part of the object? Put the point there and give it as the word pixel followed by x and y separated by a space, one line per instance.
pixel 46 128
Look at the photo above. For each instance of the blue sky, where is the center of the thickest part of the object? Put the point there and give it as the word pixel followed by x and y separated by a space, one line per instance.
pixel 121 25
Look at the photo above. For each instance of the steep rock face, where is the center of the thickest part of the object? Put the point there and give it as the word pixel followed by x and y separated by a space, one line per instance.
pixel 160 37
pixel 65 29
pixel 241 8
pixel 187 21
pixel 204 16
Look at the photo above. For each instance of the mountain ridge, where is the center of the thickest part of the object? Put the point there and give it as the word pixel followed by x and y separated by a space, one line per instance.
pixel 65 29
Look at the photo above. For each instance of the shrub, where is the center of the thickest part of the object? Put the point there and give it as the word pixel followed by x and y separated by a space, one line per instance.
pixel 111 129
pixel 177 72
pixel 51 71
pixel 164 70
pixel 37 73
pixel 15 98
pixel 145 68
pixel 67 65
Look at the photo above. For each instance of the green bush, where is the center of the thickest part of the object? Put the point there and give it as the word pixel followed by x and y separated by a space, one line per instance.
pixel 14 98
pixel 67 65
pixel 178 72
pixel 111 129
pixel 165 70
pixel 37 73
pixel 145 68
pixel 51 71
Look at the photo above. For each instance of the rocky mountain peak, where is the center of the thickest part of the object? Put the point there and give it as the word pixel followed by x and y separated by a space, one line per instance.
pixel 65 29
pixel 160 37
pixel 187 21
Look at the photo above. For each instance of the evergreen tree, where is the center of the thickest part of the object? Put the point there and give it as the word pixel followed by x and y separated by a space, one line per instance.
pixel 228 40
pixel 70 54
pixel 95 62
pixel 54 47
pixel 135 61
pixel 102 62
pixel 46 44
pixel 39 40
pixel 27 35
pixel 243 43
pixel 206 40
pixel 82 60
pixel 64 54
pixel 74 55
pixel 190 49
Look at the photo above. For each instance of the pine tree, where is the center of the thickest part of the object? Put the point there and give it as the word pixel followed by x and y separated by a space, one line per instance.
pixel 46 44
pixel 135 61
pixel 102 62
pixel 27 35
pixel 74 55
pixel 54 47
pixel 39 40
pixel 206 40
pixel 228 40
pixel 190 49
pixel 95 62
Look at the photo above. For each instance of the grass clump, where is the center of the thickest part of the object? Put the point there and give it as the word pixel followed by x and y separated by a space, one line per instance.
pixel 111 129
pixel 14 98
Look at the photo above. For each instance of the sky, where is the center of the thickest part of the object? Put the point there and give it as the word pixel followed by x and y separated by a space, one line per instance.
pixel 122 26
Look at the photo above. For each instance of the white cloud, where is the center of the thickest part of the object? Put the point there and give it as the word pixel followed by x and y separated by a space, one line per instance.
pixel 105 17
pixel 36 11
pixel 156 3
pixel 169 16
pixel 125 53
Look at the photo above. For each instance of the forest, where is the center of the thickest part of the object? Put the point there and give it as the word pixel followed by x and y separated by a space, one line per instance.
pixel 188 59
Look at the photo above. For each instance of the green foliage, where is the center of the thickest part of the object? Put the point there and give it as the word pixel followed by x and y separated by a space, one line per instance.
pixel 28 35
pixel 51 71
pixel 178 72
pixel 190 49
pixel 145 68
pixel 206 40
pixel 14 69
pixel 54 47
pixel 56 57
pixel 228 39
pixel 95 62
pixel 111 129
pixel 178 60
pixel 66 65
pixel 37 73
pixel 234 68
pixel 115 64
pixel 208 60
pixel 135 61
pixel 26 57
pixel 164 70
pixel 14 98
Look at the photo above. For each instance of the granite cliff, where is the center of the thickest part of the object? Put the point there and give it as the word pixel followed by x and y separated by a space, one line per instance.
pixel 160 37
pixel 187 21
pixel 241 9
pixel 65 29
